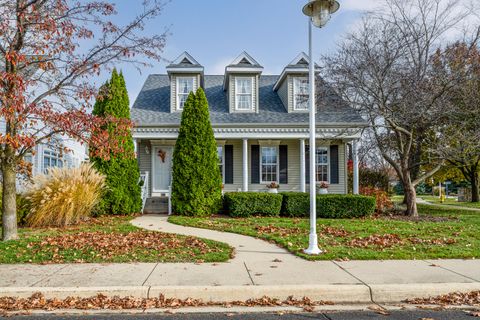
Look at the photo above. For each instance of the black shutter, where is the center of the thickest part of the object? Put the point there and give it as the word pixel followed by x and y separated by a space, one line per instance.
pixel 334 165
pixel 255 163
pixel 228 164
pixel 307 164
pixel 283 165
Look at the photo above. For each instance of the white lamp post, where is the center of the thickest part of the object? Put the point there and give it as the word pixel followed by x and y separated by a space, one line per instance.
pixel 319 12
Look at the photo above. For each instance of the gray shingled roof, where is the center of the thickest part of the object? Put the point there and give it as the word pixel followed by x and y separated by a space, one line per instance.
pixel 152 106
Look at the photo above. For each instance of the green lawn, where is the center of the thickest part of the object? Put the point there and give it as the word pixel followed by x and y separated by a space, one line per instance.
pixel 450 202
pixel 442 233
pixel 109 239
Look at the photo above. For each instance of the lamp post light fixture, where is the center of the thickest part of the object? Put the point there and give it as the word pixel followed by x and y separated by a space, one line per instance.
pixel 319 13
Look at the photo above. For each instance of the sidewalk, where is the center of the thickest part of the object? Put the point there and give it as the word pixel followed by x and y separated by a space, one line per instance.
pixel 445 206
pixel 259 268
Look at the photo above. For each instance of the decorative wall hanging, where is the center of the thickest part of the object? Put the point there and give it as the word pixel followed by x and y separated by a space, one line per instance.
pixel 162 154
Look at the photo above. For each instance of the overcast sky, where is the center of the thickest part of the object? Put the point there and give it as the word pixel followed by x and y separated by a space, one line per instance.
pixel 214 32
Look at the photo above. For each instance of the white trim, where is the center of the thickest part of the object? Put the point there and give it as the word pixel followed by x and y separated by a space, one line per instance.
pixel 186 70
pixel 245 164
pixel 153 155
pixel 303 172
pixel 252 83
pixel 185 55
pixel 253 133
pixel 245 55
pixel 233 69
pixel 295 79
pixel 223 161
pixel 301 55
pixel 328 164
pixel 356 183
pixel 269 143
pixel 178 90
pixel 277 148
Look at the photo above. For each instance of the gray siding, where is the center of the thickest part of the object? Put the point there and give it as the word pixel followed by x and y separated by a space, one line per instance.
pixel 283 94
pixel 145 160
pixel 145 164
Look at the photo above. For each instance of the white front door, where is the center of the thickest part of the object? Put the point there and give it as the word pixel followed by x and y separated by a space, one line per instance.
pixel 162 168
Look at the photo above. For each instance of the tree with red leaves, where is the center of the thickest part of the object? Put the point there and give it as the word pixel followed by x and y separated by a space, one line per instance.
pixel 49 51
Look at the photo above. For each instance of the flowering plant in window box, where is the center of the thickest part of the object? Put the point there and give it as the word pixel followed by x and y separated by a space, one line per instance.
pixel 273 187
pixel 322 187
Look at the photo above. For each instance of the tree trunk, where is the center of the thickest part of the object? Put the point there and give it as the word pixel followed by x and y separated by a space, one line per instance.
pixel 474 180
pixel 410 195
pixel 9 203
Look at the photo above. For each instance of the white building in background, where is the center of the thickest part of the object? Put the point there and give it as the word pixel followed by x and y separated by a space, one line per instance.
pixel 45 156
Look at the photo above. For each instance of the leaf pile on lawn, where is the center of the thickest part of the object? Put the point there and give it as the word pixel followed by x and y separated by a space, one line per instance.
pixel 109 240
pixel 108 245
pixel 455 298
pixel 102 302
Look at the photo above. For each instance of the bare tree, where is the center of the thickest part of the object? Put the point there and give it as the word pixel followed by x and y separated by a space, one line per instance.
pixel 385 70
pixel 49 52
pixel 460 141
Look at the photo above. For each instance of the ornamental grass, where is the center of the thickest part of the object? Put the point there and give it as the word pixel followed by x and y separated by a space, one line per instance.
pixel 64 196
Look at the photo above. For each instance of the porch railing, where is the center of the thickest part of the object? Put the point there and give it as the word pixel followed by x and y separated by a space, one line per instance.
pixel 145 188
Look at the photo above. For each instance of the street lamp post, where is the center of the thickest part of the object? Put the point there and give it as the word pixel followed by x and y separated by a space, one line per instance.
pixel 319 13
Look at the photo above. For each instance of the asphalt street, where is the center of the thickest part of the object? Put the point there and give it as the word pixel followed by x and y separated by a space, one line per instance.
pixel 403 315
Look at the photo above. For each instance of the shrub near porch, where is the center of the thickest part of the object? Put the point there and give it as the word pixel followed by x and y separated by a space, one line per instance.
pixel 441 233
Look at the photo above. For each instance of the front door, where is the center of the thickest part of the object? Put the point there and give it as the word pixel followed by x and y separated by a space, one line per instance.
pixel 162 168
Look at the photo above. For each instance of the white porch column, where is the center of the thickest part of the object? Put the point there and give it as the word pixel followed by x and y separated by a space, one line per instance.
pixel 245 165
pixel 135 147
pixel 303 187
pixel 356 189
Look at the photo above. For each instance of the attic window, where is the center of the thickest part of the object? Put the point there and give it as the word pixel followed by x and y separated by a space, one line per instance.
pixel 244 97
pixel 302 61
pixel 184 87
pixel 245 61
pixel 186 61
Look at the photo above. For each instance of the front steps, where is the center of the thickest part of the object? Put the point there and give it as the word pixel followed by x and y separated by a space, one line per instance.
pixel 156 205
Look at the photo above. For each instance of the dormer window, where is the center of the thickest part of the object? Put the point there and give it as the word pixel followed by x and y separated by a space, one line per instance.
pixel 244 97
pixel 184 87
pixel 300 93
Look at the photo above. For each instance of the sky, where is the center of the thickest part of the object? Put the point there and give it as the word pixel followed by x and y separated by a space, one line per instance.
pixel 215 32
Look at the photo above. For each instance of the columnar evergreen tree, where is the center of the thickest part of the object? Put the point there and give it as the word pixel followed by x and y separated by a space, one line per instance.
pixel 123 193
pixel 196 187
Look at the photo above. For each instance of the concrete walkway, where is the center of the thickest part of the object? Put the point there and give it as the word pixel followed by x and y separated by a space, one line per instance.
pixel 259 268
pixel 445 206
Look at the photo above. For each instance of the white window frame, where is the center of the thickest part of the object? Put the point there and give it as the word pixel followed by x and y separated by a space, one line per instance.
pixel 317 164
pixel 277 164
pixel 179 94
pixel 52 155
pixel 222 163
pixel 237 94
pixel 295 93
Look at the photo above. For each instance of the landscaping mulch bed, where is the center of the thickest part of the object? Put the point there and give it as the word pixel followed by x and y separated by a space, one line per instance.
pixel 102 302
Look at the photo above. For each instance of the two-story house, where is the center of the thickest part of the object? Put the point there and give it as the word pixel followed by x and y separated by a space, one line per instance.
pixel 261 123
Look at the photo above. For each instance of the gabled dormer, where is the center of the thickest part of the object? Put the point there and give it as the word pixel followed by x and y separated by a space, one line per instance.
pixel 293 86
pixel 241 83
pixel 186 75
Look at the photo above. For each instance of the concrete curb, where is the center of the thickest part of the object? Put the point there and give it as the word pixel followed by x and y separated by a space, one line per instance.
pixel 338 294
pixel 393 293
